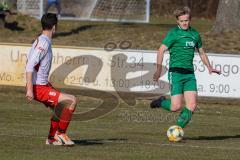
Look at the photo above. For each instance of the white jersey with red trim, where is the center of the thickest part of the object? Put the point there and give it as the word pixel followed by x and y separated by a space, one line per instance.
pixel 39 60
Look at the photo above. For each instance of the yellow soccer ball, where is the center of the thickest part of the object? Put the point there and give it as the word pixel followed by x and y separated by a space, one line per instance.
pixel 175 133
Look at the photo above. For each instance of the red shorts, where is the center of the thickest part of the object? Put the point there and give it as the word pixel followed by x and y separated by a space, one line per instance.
pixel 46 94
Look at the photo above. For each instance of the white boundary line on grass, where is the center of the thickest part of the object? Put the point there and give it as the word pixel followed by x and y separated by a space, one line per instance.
pixel 143 143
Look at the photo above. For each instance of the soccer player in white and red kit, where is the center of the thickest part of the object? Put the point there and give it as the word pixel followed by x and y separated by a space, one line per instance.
pixel 38 66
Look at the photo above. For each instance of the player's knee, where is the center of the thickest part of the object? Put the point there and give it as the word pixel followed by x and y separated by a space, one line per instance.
pixel 192 106
pixel 176 107
pixel 68 101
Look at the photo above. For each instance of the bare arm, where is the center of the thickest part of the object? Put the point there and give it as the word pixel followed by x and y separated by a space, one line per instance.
pixel 160 54
pixel 29 86
pixel 206 62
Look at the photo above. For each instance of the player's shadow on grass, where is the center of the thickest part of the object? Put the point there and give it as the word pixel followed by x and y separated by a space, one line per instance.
pixel 13 26
pixel 167 26
pixel 214 138
pixel 98 141
pixel 73 31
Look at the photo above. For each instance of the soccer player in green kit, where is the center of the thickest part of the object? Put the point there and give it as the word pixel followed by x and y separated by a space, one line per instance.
pixel 181 41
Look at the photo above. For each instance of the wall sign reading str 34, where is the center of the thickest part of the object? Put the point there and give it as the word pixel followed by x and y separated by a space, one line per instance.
pixel 119 71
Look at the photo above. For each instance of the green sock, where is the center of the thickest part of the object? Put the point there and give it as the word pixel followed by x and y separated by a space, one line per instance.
pixel 184 117
pixel 166 104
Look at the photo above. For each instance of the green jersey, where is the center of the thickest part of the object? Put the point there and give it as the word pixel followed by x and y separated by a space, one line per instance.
pixel 181 45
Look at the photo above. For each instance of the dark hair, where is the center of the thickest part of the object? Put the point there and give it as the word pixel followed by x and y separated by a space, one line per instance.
pixel 48 21
pixel 182 11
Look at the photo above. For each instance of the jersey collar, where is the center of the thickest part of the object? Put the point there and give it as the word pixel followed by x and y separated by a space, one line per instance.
pixel 46 38
pixel 189 28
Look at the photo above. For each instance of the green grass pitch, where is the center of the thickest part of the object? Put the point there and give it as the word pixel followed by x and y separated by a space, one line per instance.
pixel 126 133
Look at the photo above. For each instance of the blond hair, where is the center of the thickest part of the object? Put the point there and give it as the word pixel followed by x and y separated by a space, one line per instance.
pixel 182 11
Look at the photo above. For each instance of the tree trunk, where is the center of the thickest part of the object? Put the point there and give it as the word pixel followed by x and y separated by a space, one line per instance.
pixel 228 16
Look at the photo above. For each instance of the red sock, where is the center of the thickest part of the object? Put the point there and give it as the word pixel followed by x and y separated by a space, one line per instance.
pixel 65 119
pixel 53 128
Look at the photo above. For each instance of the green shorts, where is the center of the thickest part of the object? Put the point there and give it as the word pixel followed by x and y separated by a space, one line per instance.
pixel 180 83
